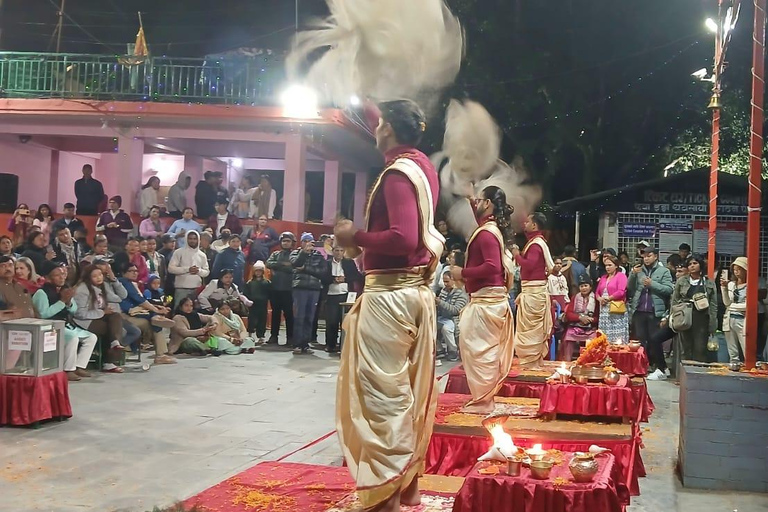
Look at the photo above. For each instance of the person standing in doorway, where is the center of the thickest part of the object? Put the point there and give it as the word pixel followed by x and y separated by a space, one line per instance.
pixel 89 192
pixel 281 295
pixel 177 195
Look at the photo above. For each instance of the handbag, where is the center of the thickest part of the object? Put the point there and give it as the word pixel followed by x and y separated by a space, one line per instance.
pixel 681 316
pixel 700 301
pixel 617 307
pixel 137 311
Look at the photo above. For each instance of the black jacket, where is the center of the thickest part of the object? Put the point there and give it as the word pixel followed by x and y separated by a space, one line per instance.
pixel 37 255
pixel 73 226
pixel 205 198
pixel 89 195
pixel 352 275
pixel 310 270
pixel 279 262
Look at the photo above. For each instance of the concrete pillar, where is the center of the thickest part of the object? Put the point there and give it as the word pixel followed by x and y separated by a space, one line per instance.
pixel 295 181
pixel 130 168
pixel 194 165
pixel 53 183
pixel 331 192
pixel 361 193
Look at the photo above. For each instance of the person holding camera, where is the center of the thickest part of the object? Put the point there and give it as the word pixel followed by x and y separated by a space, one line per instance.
pixel 650 286
pixel 310 270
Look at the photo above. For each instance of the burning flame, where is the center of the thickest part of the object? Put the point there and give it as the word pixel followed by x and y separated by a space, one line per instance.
pixel 536 450
pixel 502 440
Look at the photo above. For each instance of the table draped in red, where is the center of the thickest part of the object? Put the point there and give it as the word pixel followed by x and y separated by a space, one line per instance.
pixel 28 400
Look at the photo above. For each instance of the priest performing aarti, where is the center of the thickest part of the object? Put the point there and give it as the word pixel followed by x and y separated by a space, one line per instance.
pixel 534 308
pixel 486 324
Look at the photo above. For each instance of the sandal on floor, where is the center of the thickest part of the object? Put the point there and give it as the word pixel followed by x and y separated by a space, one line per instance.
pixel 164 359
pixel 113 369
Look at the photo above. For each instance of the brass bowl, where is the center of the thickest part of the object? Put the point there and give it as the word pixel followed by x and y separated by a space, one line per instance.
pixel 541 469
pixel 590 372
pixel 581 379
pixel 611 378
pixel 634 346
pixel 536 457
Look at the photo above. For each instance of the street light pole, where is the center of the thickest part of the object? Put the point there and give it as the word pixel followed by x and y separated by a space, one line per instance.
pixel 59 26
pixel 754 196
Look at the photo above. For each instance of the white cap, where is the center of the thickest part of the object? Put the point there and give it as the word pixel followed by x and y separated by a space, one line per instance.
pixel 259 265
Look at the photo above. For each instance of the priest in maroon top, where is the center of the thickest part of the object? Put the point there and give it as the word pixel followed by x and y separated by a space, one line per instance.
pixel 534 314
pixel 386 394
pixel 486 327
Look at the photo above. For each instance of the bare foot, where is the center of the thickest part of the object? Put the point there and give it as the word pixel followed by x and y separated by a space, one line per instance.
pixel 411 497
pixel 390 505
pixel 484 407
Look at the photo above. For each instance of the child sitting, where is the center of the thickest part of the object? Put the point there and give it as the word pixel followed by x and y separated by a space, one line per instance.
pixel 154 293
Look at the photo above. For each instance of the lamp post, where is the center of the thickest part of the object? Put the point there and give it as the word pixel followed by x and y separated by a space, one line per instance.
pixel 754 196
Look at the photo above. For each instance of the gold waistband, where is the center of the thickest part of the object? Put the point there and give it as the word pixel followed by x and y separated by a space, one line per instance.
pixel 395 280
pixel 534 285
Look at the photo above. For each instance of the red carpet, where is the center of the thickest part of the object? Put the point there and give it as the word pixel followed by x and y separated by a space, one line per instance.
pixel 291 487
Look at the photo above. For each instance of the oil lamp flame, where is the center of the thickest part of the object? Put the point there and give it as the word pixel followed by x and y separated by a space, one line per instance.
pixel 503 447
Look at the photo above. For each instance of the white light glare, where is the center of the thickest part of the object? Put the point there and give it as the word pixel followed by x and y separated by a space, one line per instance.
pixel 299 102
pixel 237 162
pixel 354 101
pixel 711 25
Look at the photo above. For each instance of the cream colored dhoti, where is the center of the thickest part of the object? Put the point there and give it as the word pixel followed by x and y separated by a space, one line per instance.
pixel 487 341
pixel 534 322
pixel 386 393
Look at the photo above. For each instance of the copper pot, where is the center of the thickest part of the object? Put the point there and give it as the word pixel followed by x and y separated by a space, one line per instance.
pixel 634 346
pixel 611 378
pixel 583 467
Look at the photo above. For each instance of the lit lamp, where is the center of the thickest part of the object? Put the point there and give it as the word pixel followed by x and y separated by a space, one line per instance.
pixel 299 102
pixel 31 348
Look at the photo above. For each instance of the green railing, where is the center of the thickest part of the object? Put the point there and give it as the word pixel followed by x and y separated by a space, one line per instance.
pixel 234 80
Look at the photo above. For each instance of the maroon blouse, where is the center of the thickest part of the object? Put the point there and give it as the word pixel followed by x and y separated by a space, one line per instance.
pixel 532 265
pixel 483 266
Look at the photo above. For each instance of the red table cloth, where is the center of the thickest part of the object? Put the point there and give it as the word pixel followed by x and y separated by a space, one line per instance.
pixel 29 400
pixel 630 363
pixel 591 400
pixel 500 493
pixel 456 454
pixel 457 383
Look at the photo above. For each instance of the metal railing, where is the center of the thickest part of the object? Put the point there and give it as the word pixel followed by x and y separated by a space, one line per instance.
pixel 244 81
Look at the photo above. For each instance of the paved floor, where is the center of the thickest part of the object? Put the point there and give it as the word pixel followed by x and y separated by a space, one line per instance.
pixel 149 438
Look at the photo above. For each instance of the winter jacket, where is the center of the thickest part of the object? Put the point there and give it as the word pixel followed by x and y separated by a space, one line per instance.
pixel 185 258
pixel 257 290
pixel 661 287
pixel 262 244
pixel 680 295
pixel 177 194
pixel 310 270
pixel 180 228
pixel 73 226
pixel 232 259
pixel 279 263
pixel 89 194
pixel 87 311
pixel 216 292
pixel 232 224
pixel 116 236
pixel 205 198
pixel 180 331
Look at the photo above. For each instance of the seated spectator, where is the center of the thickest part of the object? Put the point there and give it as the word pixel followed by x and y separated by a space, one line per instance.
pixel 100 250
pixel 15 303
pixel 581 319
pixel 55 301
pixel 133 256
pixel 148 318
pixel 151 227
pixel 232 258
pixel 222 242
pixel 44 220
pixel 115 223
pixel 192 332
pixel 67 253
pixel 26 275
pixel 223 219
pixel 20 223
pixel 184 225
pixel 155 261
pixel 231 335
pixel 94 312
pixel 36 249
pixel 6 246
pixel 223 290
pixel 154 292
pixel 68 221
pixel 257 290
pixel 449 303
pixel 131 333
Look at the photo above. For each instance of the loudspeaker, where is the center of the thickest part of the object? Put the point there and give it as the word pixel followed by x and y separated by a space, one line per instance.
pixel 9 192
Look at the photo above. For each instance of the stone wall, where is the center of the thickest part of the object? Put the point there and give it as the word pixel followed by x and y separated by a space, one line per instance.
pixel 723 430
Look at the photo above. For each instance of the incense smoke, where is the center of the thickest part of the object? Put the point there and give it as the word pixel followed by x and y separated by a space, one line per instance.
pixel 469 162
pixel 380 49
